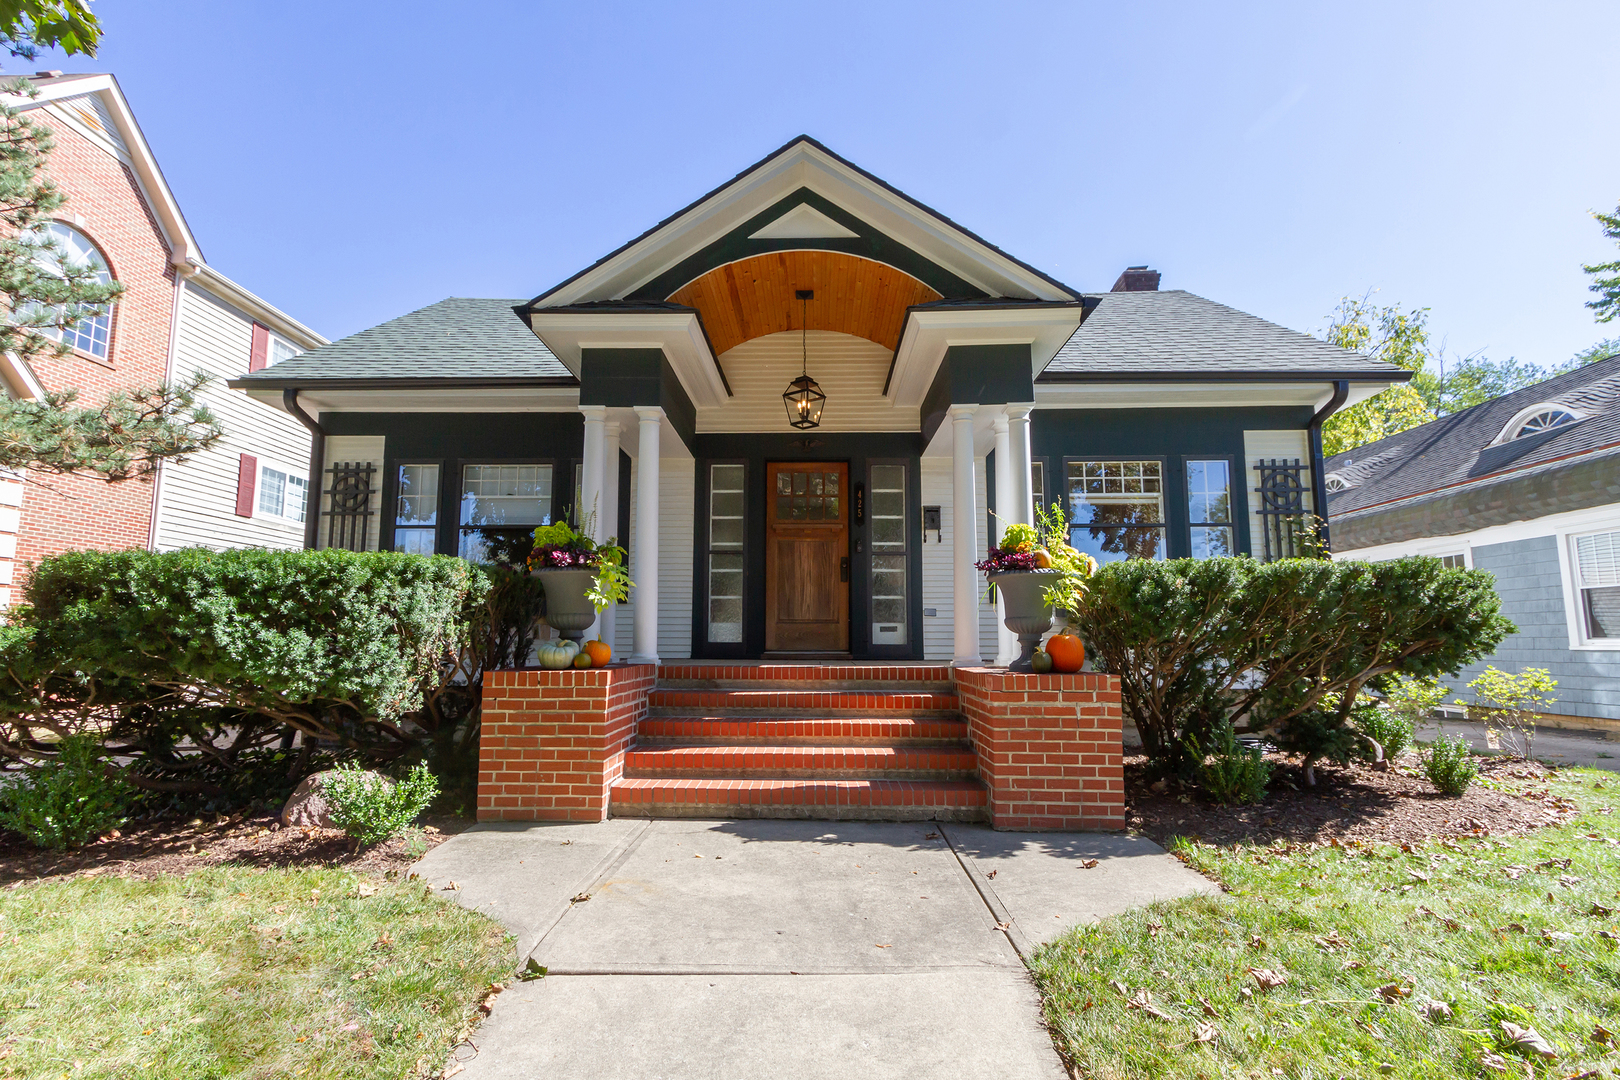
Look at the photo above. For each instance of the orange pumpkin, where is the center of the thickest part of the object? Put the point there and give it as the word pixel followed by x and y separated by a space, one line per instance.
pixel 600 652
pixel 1067 651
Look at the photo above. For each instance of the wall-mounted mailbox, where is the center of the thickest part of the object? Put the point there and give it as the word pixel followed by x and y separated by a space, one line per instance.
pixel 931 522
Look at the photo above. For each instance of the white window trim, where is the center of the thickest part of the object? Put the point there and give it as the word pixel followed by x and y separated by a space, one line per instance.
pixel 258 487
pixel 1510 430
pixel 271 338
pixel 1574 607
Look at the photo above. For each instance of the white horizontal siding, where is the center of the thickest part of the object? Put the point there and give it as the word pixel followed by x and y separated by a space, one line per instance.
pixel 197 500
pixel 677 494
pixel 355 448
pixel 1286 445
pixel 850 371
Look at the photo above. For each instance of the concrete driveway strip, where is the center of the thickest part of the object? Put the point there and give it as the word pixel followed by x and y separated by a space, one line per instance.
pixel 773 897
pixel 1042 886
pixel 784 1027
pixel 523 875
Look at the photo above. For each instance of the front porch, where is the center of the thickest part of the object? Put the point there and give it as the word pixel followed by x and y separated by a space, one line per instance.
pixel 831 741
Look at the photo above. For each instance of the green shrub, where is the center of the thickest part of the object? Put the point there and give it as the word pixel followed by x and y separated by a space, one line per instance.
pixel 1450 765
pixel 1509 705
pixel 207 662
pixel 372 808
pixel 1229 772
pixel 68 801
pixel 1386 726
pixel 1283 647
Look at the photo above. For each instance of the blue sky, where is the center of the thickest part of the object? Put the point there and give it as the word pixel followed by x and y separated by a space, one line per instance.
pixel 353 161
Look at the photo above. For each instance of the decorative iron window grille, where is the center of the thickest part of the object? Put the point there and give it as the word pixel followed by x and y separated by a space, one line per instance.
pixel 1282 508
pixel 348 517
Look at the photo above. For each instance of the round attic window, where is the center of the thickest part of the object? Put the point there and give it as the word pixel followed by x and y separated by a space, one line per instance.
pixel 1543 420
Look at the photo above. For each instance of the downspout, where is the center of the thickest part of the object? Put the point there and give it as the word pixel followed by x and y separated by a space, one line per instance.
pixel 317 452
pixel 168 377
pixel 1341 391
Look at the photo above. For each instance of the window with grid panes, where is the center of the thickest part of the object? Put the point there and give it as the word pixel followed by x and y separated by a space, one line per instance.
pixel 1454 562
pixel 1597 574
pixel 886 517
pixel 416 510
pixel 1209 508
pixel 500 505
pixel 726 487
pixel 1116 509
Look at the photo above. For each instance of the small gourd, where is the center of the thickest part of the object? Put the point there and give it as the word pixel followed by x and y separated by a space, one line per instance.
pixel 1043 560
pixel 1041 662
pixel 582 659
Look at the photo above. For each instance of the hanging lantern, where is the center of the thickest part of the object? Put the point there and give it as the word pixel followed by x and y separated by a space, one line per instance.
pixel 803 396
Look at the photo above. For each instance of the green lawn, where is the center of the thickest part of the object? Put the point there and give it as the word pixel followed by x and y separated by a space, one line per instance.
pixel 1518 932
pixel 238 973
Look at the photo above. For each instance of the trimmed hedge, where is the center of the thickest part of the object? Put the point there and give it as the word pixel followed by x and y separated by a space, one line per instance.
pixel 1282 647
pixel 196 666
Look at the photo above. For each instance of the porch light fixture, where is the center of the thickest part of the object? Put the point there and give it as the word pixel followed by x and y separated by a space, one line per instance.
pixel 803 396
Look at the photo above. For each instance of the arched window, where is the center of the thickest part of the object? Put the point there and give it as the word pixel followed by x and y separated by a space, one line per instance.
pixel 93 333
pixel 1335 482
pixel 1535 420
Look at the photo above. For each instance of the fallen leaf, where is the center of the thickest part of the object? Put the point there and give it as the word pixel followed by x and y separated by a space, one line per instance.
pixel 883 946
pixel 1599 911
pixel 1267 978
pixel 453 1069
pixel 1153 929
pixel 1204 1032
pixel 1602 1036
pixel 452 886
pixel 532 970
pixel 1393 991
pixel 1493 1062
pixel 1256 942
pixel 1435 1012
pixel 365 889
pixel 1209 1010
pixel 1513 872
pixel 1144 1001
pixel 1003 926
pixel 579 898
pixel 992 873
pixel 1527 1040
pixel 1124 991
pixel 1089 864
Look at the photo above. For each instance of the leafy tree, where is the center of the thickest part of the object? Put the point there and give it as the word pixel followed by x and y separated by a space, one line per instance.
pixel 28 27
pixel 1383 333
pixel 1606 275
pixel 47 292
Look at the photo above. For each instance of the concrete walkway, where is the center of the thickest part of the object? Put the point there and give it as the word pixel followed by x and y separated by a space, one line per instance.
pixel 739 949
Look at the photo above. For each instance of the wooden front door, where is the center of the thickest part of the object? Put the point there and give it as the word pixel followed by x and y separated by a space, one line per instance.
pixel 807 557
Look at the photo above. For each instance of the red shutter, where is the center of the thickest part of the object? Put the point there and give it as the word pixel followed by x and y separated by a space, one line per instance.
pixel 259 354
pixel 247 482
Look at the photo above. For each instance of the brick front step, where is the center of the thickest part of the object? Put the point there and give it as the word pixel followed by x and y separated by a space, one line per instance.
pixel 837 800
pixel 797 702
pixel 838 674
pixel 824 731
pixel 802 762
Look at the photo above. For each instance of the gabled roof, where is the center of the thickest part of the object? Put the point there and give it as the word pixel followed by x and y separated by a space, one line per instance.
pixel 803 165
pixel 458 340
pixel 1175 334
pixel 1464 448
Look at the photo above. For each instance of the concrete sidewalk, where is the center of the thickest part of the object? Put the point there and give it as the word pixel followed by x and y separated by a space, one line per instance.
pixel 737 949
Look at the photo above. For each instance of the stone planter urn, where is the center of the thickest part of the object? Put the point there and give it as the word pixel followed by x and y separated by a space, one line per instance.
pixel 567 610
pixel 1028 615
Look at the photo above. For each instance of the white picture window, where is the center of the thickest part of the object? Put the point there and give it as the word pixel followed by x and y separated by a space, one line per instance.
pixel 1597 585
pixel 500 504
pixel 280 350
pixel 282 494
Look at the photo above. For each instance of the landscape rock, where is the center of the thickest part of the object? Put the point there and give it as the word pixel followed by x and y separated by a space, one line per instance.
pixel 306 808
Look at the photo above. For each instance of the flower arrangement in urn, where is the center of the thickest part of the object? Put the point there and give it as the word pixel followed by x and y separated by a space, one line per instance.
pixel 582 579
pixel 1038 572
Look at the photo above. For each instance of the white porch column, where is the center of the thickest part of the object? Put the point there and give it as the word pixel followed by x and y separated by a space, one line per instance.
pixel 1022 486
pixel 645 572
pixel 587 514
pixel 1006 641
pixel 609 515
pixel 964 549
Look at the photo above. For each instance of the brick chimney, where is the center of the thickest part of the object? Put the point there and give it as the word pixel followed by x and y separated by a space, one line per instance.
pixel 1137 279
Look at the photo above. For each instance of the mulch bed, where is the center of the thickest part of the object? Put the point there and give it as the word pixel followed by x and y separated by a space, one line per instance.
pixel 155 848
pixel 1351 803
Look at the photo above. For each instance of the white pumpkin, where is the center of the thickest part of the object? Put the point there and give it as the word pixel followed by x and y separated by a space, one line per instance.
pixel 554 656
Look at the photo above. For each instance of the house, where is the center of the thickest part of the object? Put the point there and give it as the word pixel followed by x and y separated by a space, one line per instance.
pixel 1526 486
pixel 648 389
pixel 178 315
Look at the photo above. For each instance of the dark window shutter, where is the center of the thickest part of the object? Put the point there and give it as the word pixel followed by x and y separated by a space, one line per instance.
pixel 259 354
pixel 247 483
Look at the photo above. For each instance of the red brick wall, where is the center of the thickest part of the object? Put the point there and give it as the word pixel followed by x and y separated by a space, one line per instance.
pixel 103 193
pixel 553 742
pixel 1049 747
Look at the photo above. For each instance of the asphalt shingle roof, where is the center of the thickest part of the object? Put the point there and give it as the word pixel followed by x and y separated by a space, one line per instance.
pixel 1173 332
pixel 457 338
pixel 1458 449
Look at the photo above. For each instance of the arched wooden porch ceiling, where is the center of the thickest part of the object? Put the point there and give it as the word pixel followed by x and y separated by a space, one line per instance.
pixel 754 297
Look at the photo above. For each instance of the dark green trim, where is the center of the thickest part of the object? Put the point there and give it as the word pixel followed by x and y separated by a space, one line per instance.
pixel 625 378
pixel 1168 435
pixel 869 243
pixel 754 450
pixel 976 375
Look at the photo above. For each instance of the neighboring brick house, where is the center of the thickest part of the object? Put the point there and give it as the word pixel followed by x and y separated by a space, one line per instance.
pixel 177 315
pixel 1526 486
